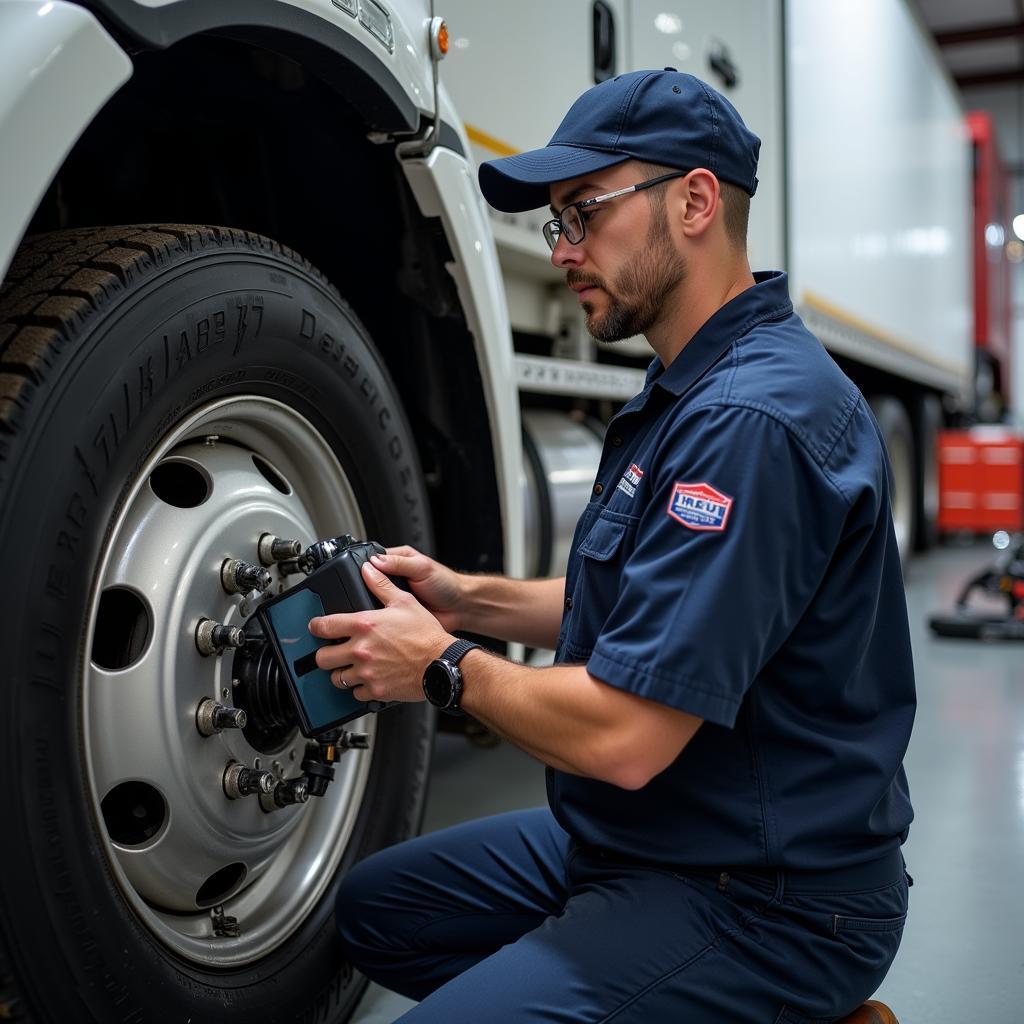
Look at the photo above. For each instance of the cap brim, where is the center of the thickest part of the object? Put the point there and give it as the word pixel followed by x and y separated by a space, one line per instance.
pixel 517 183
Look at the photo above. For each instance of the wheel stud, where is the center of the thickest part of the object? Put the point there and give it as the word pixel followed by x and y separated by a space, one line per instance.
pixel 212 718
pixel 273 549
pixel 213 638
pixel 240 781
pixel 240 577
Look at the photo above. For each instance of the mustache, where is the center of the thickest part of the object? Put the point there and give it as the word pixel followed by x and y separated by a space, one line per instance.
pixel 578 277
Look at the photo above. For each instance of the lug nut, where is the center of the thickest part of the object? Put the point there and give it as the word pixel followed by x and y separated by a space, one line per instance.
pixel 287 793
pixel 292 791
pixel 273 549
pixel 229 718
pixel 212 718
pixel 240 577
pixel 213 638
pixel 240 781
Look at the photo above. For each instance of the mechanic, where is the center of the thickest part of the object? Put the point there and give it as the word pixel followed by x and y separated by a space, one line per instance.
pixel 725 723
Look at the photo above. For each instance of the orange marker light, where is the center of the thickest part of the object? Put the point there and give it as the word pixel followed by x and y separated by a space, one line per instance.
pixel 438 38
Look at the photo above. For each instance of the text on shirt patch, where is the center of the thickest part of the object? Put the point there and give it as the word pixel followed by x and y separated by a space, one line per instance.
pixel 630 480
pixel 699 506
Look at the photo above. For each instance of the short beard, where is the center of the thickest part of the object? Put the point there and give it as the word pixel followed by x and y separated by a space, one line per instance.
pixel 637 300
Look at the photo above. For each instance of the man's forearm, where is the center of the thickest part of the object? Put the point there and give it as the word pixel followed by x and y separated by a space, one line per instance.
pixel 530 708
pixel 520 611
pixel 573 722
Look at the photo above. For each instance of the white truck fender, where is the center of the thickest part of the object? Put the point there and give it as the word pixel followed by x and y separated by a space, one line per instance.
pixel 58 68
pixel 444 186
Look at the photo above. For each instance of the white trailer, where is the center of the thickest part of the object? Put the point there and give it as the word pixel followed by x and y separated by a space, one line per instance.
pixel 863 196
pixel 250 291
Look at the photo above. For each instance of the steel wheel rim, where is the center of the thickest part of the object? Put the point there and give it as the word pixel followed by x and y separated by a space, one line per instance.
pixel 274 868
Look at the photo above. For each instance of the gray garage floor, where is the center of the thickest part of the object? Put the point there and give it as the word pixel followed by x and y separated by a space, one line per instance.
pixel 962 958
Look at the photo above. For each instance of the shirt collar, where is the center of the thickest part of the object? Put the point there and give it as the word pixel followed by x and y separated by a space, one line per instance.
pixel 766 300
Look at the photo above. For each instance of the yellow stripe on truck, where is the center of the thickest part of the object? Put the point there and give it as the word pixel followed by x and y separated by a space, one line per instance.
pixel 489 141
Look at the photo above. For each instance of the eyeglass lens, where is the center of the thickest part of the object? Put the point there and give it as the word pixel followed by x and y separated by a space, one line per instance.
pixel 570 222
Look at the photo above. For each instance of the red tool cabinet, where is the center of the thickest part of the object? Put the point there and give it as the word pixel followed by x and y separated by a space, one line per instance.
pixel 981 480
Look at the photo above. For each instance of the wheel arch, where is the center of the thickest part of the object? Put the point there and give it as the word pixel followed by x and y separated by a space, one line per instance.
pixel 325 48
pixel 241 128
pixel 47 103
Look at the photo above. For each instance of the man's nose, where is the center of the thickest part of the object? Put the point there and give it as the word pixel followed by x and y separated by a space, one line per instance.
pixel 565 254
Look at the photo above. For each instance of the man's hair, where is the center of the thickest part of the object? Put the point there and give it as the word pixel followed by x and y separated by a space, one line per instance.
pixel 735 200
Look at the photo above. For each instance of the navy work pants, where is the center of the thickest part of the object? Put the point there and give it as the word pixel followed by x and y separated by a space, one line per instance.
pixel 507 920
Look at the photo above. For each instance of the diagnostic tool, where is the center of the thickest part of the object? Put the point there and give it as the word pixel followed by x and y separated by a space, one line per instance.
pixel 334 584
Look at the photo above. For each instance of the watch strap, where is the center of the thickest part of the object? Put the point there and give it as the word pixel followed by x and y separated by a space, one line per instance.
pixel 454 653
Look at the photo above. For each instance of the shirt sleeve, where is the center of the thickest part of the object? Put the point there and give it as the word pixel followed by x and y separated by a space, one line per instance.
pixel 738 534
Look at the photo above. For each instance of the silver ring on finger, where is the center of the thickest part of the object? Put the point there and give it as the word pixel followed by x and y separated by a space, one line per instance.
pixel 343 684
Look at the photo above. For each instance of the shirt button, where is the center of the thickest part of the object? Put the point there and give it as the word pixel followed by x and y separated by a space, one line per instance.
pixel 598 488
pixel 568 604
pixel 616 442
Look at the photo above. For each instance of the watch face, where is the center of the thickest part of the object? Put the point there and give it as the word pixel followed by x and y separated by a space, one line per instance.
pixel 438 683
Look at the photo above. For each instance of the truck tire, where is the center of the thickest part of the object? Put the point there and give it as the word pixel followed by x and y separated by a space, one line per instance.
pixel 168 393
pixel 894 424
pixel 927 411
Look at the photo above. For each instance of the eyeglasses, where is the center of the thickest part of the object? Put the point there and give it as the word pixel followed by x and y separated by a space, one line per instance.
pixel 572 219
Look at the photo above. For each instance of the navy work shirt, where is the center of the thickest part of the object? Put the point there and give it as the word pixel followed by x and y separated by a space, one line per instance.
pixel 738 562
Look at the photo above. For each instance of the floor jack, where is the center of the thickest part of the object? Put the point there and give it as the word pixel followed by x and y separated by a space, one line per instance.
pixel 1003 580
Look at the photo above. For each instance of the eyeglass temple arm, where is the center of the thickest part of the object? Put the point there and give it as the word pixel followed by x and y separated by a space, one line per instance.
pixel 632 188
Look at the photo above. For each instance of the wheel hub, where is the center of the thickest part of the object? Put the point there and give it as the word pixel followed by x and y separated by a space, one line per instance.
pixel 187 857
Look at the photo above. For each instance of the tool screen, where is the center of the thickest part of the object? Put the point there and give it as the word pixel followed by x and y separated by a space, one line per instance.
pixel 321 701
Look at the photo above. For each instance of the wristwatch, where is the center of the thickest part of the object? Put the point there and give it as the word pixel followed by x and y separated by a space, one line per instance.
pixel 442 680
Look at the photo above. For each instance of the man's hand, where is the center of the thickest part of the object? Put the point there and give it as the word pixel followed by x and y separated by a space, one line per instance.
pixel 520 611
pixel 382 653
pixel 436 586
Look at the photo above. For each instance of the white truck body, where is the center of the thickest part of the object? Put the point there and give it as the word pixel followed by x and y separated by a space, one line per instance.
pixel 45 102
pixel 879 191
pixel 864 175
pixel 864 170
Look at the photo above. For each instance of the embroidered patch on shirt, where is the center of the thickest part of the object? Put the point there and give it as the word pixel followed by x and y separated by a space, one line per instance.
pixel 630 480
pixel 699 506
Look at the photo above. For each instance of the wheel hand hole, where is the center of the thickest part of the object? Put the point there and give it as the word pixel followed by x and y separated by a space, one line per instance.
pixel 220 885
pixel 271 475
pixel 133 812
pixel 122 629
pixel 181 484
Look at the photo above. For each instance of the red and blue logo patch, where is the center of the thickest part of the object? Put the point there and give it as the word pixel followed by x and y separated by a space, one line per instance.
pixel 699 506
pixel 631 480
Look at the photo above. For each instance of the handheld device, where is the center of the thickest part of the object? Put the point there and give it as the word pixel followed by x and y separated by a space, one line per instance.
pixel 334 584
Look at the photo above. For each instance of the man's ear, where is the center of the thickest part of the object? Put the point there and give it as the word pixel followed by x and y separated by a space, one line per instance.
pixel 701 198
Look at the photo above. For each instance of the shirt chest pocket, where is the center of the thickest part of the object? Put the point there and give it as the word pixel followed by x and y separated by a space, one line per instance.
pixel 602 555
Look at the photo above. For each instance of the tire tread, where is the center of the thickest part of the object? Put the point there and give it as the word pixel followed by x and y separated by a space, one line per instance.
pixel 61 280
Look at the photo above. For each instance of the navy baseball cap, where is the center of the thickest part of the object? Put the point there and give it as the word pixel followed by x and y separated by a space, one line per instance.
pixel 661 117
